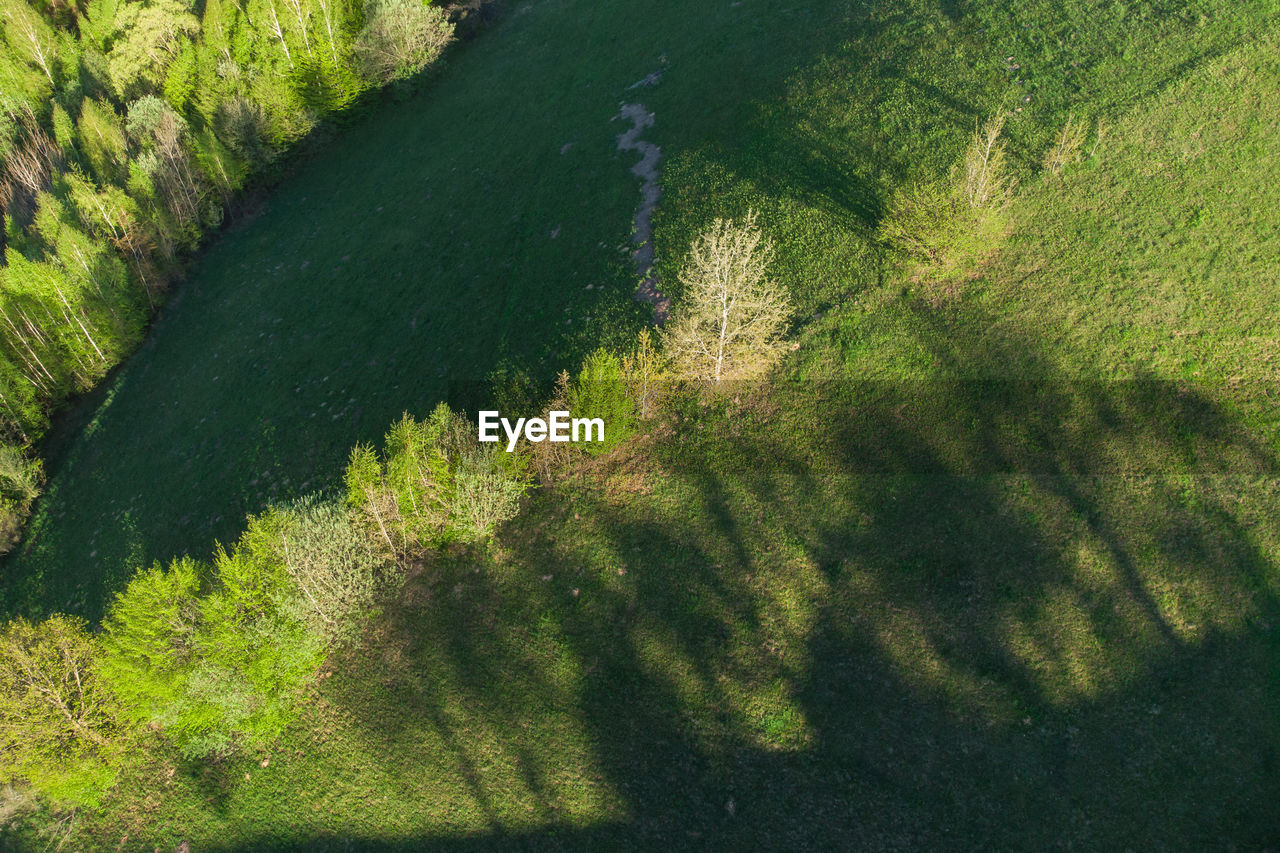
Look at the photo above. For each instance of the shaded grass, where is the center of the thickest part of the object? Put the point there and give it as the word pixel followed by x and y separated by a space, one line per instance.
pixel 840 643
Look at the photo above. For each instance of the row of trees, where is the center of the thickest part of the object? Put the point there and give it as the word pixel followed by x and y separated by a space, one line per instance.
pixel 125 128
pixel 214 656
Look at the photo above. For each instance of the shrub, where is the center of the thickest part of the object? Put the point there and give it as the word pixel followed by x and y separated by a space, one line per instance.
pixel 552 460
pixel 486 493
pixel 1066 150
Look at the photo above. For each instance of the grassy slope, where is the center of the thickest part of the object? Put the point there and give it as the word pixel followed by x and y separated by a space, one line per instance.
pixel 915 613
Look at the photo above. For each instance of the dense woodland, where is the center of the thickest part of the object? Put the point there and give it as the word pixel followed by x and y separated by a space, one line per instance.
pixel 125 131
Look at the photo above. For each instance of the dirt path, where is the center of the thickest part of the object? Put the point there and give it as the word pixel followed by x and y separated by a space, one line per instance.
pixel 650 192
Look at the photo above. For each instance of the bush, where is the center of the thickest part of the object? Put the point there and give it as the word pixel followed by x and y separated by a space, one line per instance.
pixel 1066 150
pixel 486 492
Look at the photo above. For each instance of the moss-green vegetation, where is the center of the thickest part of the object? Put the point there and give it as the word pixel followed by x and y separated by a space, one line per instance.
pixel 899 597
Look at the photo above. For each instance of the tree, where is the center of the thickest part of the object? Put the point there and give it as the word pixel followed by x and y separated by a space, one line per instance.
pixel 57 730
pixel 944 228
pixel 730 322
pixel 20 481
pixel 148 640
pixel 642 372
pixel 987 185
pixel 600 391
pixel 29 35
pixel 213 670
pixel 400 38
pixel 434 483
pixel 320 563
pixel 144 37
pixel 102 139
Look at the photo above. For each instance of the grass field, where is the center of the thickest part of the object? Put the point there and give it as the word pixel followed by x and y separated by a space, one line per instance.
pixel 900 598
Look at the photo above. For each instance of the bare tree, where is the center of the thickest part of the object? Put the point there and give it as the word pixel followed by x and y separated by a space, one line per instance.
pixel 400 38
pixel 1066 150
pixel 986 181
pixel 730 324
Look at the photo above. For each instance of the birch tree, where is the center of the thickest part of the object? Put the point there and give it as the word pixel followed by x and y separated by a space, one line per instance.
pixel 731 320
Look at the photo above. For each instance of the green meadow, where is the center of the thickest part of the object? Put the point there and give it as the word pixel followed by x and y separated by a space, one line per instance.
pixel 990 567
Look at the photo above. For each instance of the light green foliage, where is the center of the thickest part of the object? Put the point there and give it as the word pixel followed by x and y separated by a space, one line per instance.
pixel 20 480
pixel 102 139
pixel 758 587
pixel 1067 148
pixel 149 640
pixel 642 373
pixel 321 565
pixel 30 37
pixel 212 92
pixel 142 39
pixel 487 488
pixel 19 477
pixel 57 732
pixel 400 38
pixel 242 689
pixel 434 482
pixel 63 129
pixel 180 76
pixel 212 659
pixel 601 391
pixel 946 228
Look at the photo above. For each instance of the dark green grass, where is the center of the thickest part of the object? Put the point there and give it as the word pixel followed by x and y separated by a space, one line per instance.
pixel 879 605
pixel 442 237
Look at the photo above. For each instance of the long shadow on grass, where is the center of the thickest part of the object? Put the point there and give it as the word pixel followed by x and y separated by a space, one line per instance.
pixel 956 615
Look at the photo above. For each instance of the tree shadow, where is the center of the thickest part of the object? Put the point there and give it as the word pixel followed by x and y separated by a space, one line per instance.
pixel 957 614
